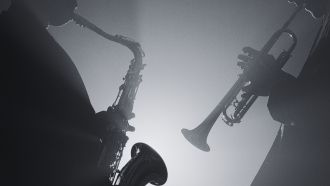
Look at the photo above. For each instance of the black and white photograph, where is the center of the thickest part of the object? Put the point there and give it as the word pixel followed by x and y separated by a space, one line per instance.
pixel 165 92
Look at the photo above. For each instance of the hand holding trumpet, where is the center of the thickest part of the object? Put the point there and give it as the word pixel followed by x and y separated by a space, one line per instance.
pixel 262 73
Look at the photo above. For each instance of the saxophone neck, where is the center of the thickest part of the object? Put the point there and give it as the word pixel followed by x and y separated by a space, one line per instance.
pixel 127 91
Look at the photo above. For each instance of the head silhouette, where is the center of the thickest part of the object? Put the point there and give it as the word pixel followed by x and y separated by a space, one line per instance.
pixel 50 12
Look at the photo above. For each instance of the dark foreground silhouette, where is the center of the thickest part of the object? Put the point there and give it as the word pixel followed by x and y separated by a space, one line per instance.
pixel 300 154
pixel 49 134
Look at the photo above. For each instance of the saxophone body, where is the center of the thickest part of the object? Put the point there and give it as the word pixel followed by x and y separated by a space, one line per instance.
pixel 146 165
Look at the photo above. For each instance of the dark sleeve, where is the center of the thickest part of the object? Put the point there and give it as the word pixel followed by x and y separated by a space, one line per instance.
pixel 282 97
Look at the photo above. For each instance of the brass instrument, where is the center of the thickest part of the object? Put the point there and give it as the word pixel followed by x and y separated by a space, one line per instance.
pixel 236 99
pixel 143 158
pixel 146 166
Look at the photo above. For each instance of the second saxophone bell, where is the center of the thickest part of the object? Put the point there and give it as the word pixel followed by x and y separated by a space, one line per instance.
pixel 236 97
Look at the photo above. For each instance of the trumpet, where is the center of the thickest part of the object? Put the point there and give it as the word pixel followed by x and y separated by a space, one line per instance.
pixel 236 99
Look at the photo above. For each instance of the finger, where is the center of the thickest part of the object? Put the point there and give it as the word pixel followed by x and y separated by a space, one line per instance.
pixel 244 58
pixel 245 95
pixel 269 61
pixel 248 89
pixel 242 65
pixel 253 88
pixel 250 51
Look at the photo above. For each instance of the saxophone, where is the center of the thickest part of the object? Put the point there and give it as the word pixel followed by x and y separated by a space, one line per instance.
pixel 146 165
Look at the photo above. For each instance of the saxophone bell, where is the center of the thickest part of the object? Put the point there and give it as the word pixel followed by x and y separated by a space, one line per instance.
pixel 146 166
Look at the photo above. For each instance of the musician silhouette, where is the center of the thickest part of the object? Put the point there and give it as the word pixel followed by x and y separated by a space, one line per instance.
pixel 49 131
pixel 300 154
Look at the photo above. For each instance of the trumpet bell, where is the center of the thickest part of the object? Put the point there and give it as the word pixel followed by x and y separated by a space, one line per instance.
pixel 196 138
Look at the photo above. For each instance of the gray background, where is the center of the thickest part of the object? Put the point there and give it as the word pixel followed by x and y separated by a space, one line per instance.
pixel 191 48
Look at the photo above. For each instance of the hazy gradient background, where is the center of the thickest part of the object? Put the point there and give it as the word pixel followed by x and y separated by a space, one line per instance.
pixel 191 48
